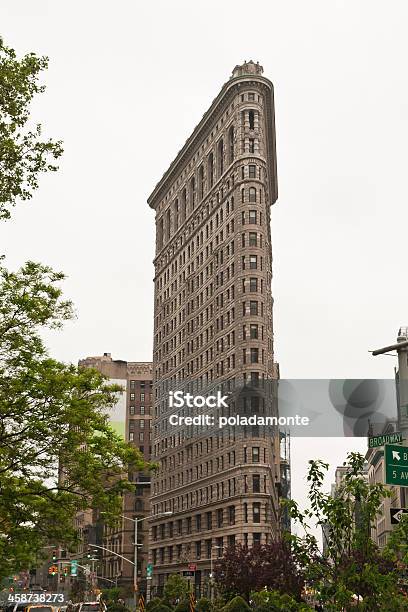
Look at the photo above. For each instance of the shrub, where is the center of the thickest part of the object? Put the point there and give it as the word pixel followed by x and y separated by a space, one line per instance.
pixel 161 607
pixel 238 604
pixel 182 606
pixel 204 605
pixel 153 603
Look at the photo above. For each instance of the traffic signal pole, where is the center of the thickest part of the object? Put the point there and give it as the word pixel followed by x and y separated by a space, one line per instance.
pixel 401 347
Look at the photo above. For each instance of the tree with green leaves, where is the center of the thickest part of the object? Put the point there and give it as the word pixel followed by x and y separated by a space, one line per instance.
pixel 175 589
pixel 355 573
pixel 24 155
pixel 58 453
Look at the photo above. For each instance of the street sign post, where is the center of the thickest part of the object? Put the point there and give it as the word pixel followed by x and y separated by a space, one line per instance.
pixel 396 465
pixel 397 514
pixel 192 567
pixel 391 438
pixel 149 571
pixel 74 567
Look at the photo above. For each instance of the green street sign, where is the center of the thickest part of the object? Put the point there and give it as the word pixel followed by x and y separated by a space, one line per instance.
pixel 74 567
pixel 396 465
pixel 149 570
pixel 391 438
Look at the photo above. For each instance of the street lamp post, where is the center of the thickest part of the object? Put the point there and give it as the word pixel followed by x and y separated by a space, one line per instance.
pixel 136 522
pixel 211 570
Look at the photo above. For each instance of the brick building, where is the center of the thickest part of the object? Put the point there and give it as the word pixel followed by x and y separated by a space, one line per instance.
pixel 213 327
pixel 131 417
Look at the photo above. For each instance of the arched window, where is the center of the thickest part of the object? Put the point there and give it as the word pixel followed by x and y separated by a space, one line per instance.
pixel 252 194
pixel 210 170
pixel 231 144
pixel 251 116
pixel 221 157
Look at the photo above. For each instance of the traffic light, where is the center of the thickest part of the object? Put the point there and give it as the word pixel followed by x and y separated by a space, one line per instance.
pixel 54 556
pixel 52 570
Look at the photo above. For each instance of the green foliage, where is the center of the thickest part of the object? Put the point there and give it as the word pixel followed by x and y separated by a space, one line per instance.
pixel 204 605
pixel 49 410
pixel 176 588
pixel 237 604
pixel 23 153
pixel 153 603
pixel 272 601
pixel 183 606
pixel 161 607
pixel 111 595
pixel 354 567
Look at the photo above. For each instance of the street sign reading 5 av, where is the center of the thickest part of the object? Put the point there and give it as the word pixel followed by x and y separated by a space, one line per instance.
pixel 396 464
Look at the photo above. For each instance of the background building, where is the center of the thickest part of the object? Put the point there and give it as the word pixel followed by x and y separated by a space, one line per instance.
pixel 213 326
pixel 131 417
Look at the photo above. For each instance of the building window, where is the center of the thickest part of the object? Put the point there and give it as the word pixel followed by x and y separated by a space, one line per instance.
pixel 253 331
pixel 220 546
pixel 253 284
pixel 201 182
pixel 251 117
pixel 251 145
pixel 142 423
pixel 257 539
pixel 188 521
pixel 198 549
pixel 231 144
pixel 255 454
pixel 252 171
pixel 193 192
pixel 132 396
pixel 170 551
pixel 141 436
pixel 210 170
pixel 253 308
pixel 231 541
pixel 252 194
pixel 220 517
pixel 253 262
pixel 142 410
pixel 198 522
pixel 245 512
pixel 256 512
pixel 220 157
pixel 131 436
pixel 252 239
pixel 209 520
pixel 254 355
pixel 131 410
pixel 231 515
pixel 252 216
pixel 256 483
pixel 251 96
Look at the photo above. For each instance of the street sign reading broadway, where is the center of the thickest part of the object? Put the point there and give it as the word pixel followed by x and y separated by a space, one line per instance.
pixel 396 465
pixel 391 438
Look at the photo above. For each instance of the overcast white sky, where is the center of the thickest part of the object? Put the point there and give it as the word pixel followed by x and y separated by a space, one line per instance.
pixel 127 83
